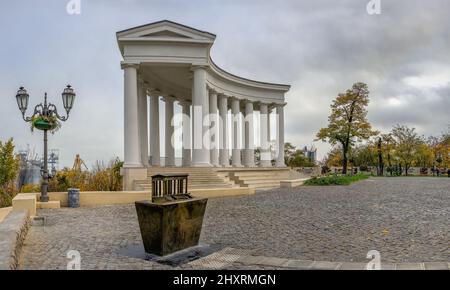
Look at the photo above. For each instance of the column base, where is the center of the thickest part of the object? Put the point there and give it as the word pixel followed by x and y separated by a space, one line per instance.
pixel 131 174
pixel 201 165
pixel 265 163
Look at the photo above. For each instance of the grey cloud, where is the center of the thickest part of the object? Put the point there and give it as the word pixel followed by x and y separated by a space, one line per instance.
pixel 320 47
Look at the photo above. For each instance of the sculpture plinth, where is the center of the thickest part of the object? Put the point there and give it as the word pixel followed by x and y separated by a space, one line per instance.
pixel 173 220
pixel 170 227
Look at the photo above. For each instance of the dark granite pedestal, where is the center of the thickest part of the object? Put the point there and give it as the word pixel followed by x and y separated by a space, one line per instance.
pixel 172 226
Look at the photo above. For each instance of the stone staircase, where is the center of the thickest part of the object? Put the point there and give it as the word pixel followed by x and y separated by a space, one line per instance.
pixel 199 178
pixel 262 178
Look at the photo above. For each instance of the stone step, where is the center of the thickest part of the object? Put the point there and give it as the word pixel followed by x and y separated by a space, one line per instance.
pixel 260 174
pixel 278 178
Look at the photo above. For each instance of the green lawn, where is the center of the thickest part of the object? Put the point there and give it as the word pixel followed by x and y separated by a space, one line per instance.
pixel 336 180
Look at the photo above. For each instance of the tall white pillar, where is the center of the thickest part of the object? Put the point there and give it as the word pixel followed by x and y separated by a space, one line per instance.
pixel 236 151
pixel 249 135
pixel 280 127
pixel 155 151
pixel 132 155
pixel 143 122
pixel 200 111
pixel 214 130
pixel 169 131
pixel 265 156
pixel 223 131
pixel 187 144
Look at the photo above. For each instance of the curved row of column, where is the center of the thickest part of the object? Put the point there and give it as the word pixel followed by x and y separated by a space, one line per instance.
pixel 207 114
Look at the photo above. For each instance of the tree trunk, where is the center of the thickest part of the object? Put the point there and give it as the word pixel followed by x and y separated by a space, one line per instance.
pixel 344 160
pixel 380 159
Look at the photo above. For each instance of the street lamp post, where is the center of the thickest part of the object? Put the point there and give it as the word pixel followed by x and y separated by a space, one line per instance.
pixel 45 112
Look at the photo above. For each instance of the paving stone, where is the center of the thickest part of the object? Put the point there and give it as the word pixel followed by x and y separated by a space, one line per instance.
pixel 405 219
pixel 388 266
pixel 276 262
pixel 410 266
pixel 319 265
pixel 299 264
pixel 250 260
pixel 436 266
pixel 352 266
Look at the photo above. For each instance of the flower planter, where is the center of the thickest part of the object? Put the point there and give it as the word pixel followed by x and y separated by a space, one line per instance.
pixel 42 124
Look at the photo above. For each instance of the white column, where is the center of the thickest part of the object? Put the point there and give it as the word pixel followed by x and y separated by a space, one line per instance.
pixel 223 131
pixel 280 128
pixel 214 130
pixel 200 111
pixel 264 134
pixel 132 155
pixel 187 144
pixel 236 151
pixel 155 151
pixel 143 122
pixel 249 135
pixel 169 131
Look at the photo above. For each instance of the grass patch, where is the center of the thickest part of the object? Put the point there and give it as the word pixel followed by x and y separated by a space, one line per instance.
pixel 335 179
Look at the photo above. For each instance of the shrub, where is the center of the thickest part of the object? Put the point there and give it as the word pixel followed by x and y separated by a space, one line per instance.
pixel 102 178
pixel 9 169
pixel 30 188
pixel 335 179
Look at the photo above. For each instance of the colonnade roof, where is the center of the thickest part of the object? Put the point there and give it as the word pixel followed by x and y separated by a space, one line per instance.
pixel 166 52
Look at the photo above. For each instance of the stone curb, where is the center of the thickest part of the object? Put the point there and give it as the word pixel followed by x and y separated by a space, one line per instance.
pixel 325 265
pixel 13 231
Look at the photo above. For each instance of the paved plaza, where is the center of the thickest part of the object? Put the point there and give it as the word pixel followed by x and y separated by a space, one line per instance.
pixel 405 219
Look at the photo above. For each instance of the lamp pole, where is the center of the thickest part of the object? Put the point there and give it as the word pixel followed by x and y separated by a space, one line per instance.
pixel 45 118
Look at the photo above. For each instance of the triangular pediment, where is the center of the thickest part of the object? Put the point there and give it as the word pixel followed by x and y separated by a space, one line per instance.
pixel 165 29
pixel 166 33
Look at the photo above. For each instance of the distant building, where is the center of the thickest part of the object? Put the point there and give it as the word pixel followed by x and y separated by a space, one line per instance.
pixel 31 165
pixel 310 153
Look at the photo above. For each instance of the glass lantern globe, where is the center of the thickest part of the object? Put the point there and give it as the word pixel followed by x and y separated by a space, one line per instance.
pixel 68 97
pixel 22 99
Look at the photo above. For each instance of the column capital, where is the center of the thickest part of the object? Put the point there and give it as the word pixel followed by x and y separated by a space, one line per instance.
pixel 262 103
pixel 169 99
pixel 213 91
pixel 184 102
pixel 280 105
pixel 197 67
pixel 124 65
pixel 222 95
pixel 154 92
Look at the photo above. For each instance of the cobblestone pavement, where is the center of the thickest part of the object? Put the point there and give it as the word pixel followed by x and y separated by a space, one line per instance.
pixel 405 219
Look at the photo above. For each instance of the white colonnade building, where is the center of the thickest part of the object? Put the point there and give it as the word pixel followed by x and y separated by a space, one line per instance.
pixel 169 62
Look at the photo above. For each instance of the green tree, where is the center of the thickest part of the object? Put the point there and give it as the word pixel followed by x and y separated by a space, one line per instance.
pixel 334 157
pixel 348 122
pixel 407 142
pixel 9 169
pixel 424 156
pixel 296 158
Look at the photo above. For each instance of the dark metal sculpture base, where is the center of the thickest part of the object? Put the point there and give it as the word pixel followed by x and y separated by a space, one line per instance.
pixel 172 226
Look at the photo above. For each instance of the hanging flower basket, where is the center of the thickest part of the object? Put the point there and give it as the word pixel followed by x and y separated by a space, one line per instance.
pixel 45 123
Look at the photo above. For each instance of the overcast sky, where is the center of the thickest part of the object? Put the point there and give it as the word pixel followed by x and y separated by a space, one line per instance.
pixel 319 47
